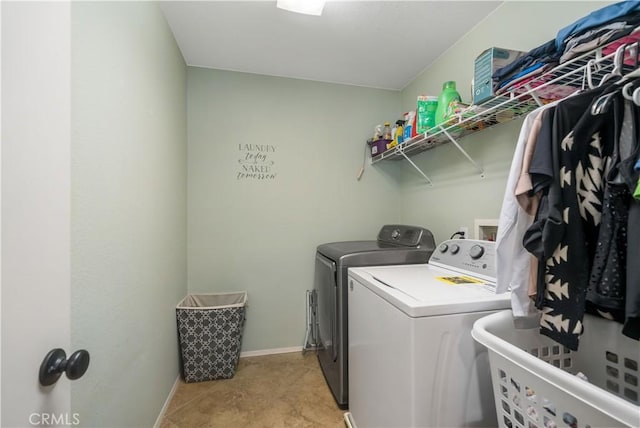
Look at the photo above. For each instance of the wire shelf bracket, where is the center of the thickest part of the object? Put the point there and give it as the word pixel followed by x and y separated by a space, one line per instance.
pixel 463 151
pixel 417 168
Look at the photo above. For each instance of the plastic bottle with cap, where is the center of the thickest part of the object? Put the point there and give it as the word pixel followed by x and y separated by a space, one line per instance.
pixel 386 132
pixel 448 95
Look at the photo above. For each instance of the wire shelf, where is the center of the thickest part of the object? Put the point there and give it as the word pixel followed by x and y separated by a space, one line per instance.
pixel 516 101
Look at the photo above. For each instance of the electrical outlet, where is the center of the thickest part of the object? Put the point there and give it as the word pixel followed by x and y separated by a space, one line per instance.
pixel 464 230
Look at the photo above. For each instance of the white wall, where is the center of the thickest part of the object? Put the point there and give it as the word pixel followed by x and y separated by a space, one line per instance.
pixel 128 219
pixel 35 205
pixel 260 235
pixel 459 194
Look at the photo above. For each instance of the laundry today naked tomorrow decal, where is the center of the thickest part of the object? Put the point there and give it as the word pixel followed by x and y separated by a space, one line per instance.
pixel 256 162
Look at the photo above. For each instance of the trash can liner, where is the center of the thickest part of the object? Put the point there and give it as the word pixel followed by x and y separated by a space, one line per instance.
pixel 208 301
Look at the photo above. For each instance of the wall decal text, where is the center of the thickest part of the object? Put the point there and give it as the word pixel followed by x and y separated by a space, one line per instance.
pixel 256 162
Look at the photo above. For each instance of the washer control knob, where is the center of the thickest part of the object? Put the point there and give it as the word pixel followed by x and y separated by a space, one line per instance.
pixel 476 251
pixel 395 234
pixel 455 248
pixel 443 248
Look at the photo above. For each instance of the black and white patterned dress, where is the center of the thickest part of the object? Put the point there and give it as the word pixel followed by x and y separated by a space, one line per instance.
pixel 581 153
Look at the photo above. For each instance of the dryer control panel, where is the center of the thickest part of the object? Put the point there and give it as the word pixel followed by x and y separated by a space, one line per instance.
pixel 407 236
pixel 467 256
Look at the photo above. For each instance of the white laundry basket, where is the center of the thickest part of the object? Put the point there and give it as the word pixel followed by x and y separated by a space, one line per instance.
pixel 535 383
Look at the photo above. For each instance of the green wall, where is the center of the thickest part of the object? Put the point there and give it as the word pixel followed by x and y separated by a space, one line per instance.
pixel 128 209
pixel 268 173
pixel 260 235
pixel 459 194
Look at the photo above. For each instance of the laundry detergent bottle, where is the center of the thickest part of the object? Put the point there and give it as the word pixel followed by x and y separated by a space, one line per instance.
pixel 449 94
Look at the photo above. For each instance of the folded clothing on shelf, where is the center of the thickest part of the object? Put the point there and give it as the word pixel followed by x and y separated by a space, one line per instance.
pixel 633 37
pixel 542 53
pixel 605 15
pixel 599 36
pixel 594 38
pixel 601 28
pixel 536 80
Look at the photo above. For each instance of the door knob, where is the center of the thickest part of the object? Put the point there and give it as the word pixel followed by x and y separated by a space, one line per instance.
pixel 56 362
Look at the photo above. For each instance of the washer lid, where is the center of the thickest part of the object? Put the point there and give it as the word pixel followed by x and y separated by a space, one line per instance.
pixel 426 290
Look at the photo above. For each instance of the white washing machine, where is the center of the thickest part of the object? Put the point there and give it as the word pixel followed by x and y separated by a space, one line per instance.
pixel 413 362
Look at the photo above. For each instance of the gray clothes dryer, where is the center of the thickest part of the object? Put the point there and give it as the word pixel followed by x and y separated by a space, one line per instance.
pixel 396 245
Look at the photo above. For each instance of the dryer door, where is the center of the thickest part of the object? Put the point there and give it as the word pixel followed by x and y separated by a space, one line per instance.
pixel 326 286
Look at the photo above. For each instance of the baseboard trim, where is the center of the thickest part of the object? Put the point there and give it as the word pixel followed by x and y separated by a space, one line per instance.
pixel 166 403
pixel 270 351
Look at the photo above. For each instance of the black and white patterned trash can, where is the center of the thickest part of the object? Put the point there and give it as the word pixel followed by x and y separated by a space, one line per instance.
pixel 210 333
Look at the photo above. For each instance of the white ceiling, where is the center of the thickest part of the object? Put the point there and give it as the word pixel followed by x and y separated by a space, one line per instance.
pixel 380 44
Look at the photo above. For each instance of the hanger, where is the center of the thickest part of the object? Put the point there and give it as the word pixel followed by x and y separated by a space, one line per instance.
pixel 625 91
pixel 632 75
pixel 618 64
pixel 636 97
pixel 601 105
pixel 634 50
pixel 629 86
pixel 631 96
pixel 588 76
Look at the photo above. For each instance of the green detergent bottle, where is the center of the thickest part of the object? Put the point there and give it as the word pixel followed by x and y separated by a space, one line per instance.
pixel 448 95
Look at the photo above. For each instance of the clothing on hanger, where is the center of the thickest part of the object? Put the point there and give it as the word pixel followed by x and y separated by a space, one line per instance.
pixel 607 285
pixel 512 260
pixel 587 225
pixel 631 175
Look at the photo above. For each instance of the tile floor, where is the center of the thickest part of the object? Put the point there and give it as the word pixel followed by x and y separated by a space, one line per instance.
pixel 283 390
